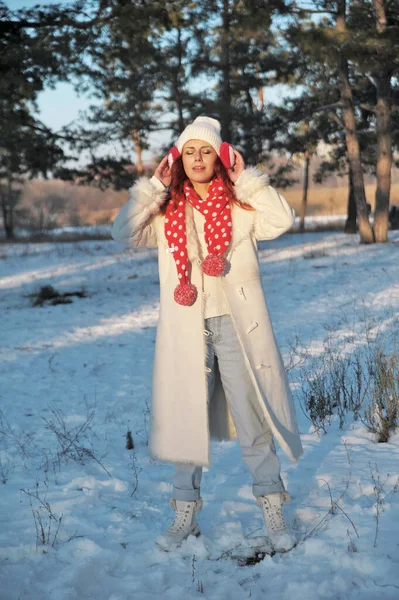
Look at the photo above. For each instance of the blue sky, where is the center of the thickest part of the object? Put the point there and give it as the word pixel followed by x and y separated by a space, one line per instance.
pixel 62 105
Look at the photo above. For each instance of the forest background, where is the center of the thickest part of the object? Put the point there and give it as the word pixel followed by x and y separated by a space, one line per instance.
pixel 327 139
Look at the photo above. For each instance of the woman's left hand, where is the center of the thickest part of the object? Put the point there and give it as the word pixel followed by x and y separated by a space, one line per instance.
pixel 239 167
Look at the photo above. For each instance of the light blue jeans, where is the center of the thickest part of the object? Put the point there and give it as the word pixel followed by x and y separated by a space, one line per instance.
pixel 253 432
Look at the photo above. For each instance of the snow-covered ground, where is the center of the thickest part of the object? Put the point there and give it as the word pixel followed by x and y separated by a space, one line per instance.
pixel 92 359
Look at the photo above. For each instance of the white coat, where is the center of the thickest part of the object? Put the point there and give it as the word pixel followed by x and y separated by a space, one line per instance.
pixel 182 423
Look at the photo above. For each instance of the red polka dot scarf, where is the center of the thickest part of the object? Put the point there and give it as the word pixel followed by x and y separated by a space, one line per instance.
pixel 216 210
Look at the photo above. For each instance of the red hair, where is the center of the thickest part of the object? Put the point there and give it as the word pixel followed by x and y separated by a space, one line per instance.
pixel 179 177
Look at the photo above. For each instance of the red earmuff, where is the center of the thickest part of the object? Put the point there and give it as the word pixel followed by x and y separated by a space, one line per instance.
pixel 227 155
pixel 172 155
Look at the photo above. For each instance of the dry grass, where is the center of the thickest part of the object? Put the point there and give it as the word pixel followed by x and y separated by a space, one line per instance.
pixel 86 205
pixel 324 200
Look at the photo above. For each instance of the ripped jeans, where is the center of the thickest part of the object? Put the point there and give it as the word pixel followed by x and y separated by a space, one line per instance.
pixel 253 432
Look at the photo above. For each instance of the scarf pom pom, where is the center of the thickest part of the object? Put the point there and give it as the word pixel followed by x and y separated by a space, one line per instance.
pixel 185 294
pixel 214 265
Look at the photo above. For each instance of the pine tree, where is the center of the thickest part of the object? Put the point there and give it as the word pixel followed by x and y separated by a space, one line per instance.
pixel 375 52
pixel 139 69
pixel 349 121
pixel 122 73
pixel 363 36
pixel 236 51
pixel 31 57
pixel 320 46
pixel 175 48
pixel 299 123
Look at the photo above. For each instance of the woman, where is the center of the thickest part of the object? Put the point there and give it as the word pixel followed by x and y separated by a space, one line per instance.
pixel 218 371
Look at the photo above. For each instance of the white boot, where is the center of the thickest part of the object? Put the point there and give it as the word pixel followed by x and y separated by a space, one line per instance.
pixel 280 533
pixel 183 525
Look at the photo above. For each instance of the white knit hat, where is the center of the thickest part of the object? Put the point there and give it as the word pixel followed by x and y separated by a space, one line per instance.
pixel 202 128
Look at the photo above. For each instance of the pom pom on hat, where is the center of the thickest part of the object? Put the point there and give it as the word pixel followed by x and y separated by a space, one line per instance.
pixel 202 128
pixel 208 122
pixel 185 294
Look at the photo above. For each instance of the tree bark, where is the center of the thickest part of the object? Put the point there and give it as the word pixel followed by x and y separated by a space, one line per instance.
pixel 305 192
pixel 381 17
pixel 4 209
pixel 138 149
pixel 352 141
pixel 350 224
pixel 7 207
pixel 176 82
pixel 254 150
pixel 261 97
pixel 384 160
pixel 225 115
pixel 384 137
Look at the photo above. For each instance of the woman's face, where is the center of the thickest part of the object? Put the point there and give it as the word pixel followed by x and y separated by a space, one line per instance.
pixel 199 161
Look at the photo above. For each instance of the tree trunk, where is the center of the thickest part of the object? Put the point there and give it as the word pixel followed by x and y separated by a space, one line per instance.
pixel 254 150
pixel 9 231
pixel 379 7
pixel 384 161
pixel 7 205
pixel 352 141
pixel 3 208
pixel 225 112
pixel 305 192
pixel 350 225
pixel 138 150
pixel 177 74
pixel 352 144
pixel 384 138
pixel 261 97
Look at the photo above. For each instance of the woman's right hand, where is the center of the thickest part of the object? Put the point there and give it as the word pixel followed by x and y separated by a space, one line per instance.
pixel 163 173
